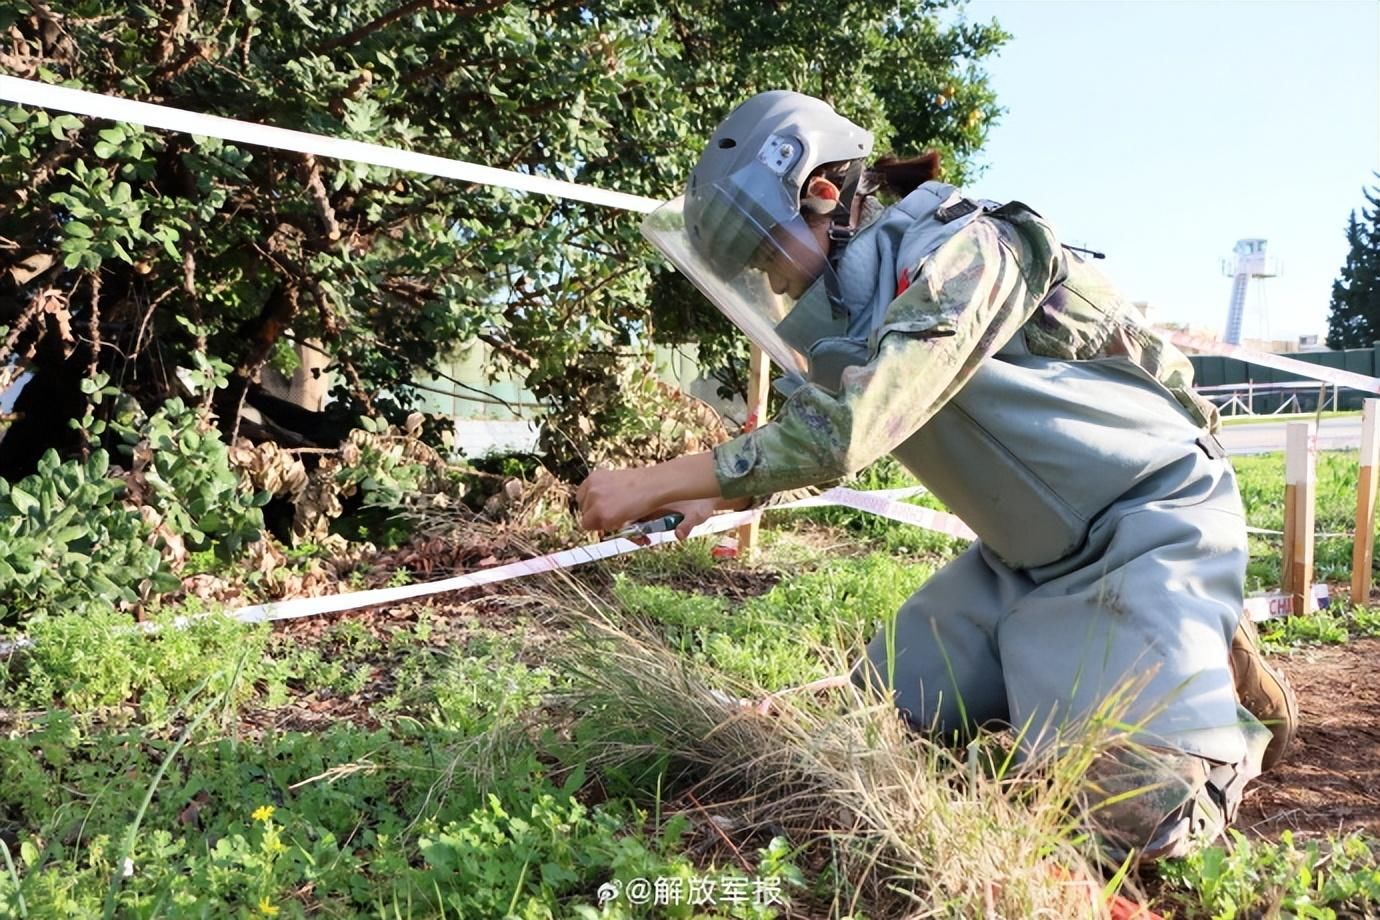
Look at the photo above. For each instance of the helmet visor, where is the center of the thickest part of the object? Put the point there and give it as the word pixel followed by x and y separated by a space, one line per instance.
pixel 755 275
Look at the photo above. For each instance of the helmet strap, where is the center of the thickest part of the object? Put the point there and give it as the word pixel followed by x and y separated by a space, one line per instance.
pixel 841 226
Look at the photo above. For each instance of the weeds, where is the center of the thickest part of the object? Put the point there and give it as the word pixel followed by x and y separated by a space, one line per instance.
pixel 1309 879
pixel 912 827
pixel 465 765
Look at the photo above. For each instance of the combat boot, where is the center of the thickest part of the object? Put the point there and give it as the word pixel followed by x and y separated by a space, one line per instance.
pixel 1263 691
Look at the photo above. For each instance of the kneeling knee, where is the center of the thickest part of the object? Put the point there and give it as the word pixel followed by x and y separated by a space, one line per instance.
pixel 1158 804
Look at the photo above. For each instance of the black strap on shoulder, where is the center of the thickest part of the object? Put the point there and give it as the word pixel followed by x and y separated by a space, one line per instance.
pixel 1014 208
pixel 1209 444
pixel 961 208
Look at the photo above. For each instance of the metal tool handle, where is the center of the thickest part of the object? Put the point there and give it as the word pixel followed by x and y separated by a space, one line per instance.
pixel 656 525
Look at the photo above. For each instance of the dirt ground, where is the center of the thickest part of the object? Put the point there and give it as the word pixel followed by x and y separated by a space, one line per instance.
pixel 1329 781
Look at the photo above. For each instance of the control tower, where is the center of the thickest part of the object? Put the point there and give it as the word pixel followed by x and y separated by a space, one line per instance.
pixel 1248 261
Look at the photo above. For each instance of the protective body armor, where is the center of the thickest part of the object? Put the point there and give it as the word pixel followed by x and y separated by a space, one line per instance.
pixel 1078 407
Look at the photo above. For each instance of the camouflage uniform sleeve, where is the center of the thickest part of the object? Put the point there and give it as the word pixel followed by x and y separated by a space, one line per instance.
pixel 969 298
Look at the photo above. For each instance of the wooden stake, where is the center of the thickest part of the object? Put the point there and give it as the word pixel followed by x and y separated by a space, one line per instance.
pixel 759 382
pixel 1299 463
pixel 1362 550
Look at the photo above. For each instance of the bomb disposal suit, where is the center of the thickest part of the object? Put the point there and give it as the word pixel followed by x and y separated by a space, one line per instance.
pixel 1006 374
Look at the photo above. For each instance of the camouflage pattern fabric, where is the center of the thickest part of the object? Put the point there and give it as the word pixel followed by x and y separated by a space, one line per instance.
pixel 1086 318
pixel 1002 276
pixel 1163 804
pixel 970 296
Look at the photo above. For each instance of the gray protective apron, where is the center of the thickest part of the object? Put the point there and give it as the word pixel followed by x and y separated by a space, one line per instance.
pixel 1112 544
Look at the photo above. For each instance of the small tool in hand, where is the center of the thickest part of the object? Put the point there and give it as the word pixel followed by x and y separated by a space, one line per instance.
pixel 655 525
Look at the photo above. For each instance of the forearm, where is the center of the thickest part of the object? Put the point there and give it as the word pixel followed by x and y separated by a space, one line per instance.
pixel 688 478
pixel 970 297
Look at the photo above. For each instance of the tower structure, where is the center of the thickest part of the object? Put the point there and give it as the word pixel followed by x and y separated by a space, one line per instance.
pixel 1249 261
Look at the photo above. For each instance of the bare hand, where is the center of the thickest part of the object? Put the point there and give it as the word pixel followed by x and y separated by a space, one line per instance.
pixel 609 499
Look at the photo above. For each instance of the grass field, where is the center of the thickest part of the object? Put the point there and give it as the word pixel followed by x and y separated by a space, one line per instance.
pixel 1285 417
pixel 513 753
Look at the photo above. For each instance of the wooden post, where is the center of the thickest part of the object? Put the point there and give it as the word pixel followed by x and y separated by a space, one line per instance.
pixel 1362 551
pixel 759 383
pixel 1298 514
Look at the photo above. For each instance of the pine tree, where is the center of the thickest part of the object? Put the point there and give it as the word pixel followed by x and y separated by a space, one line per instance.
pixel 1355 317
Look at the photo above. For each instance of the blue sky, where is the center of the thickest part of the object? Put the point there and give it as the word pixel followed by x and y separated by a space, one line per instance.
pixel 1162 131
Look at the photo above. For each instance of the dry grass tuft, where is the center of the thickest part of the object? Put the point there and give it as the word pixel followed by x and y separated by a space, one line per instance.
pixel 916 828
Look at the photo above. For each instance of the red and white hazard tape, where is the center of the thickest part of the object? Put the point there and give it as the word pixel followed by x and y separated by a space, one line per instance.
pixel 1273 606
pixel 1278 362
pixel 881 503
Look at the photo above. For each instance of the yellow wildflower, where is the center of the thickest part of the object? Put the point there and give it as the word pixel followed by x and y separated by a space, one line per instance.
pixel 263 813
pixel 265 907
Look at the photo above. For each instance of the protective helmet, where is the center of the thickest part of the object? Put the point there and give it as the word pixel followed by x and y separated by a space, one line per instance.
pixel 755 166
pixel 741 213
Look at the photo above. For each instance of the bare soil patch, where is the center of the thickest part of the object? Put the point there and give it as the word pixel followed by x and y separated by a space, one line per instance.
pixel 1329 781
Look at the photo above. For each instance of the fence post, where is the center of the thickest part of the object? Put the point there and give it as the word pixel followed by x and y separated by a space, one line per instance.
pixel 1362 551
pixel 759 383
pixel 1299 468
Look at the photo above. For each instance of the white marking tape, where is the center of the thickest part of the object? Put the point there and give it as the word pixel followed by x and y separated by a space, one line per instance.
pixel 1272 606
pixel 1279 362
pixel 96 105
pixel 882 503
pixel 1261 531
pixel 879 504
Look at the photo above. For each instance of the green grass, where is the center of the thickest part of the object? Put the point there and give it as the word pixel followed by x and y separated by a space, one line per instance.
pixel 1287 417
pixel 423 765
pixel 1261 479
pixel 1339 877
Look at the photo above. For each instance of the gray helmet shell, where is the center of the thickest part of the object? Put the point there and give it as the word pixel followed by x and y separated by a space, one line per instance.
pixel 748 179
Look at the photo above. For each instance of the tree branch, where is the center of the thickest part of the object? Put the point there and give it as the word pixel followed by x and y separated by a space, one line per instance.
pixel 317 189
pixel 94 330
pixel 177 25
pixel 506 348
pixel 407 9
pixel 332 329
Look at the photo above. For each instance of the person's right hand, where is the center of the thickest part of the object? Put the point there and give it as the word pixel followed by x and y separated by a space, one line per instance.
pixel 695 512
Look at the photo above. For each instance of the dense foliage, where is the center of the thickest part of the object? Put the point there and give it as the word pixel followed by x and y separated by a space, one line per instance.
pixel 1355 318
pixel 137 252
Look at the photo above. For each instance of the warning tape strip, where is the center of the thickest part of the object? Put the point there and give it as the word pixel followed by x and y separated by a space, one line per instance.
pixel 150 115
pixel 1272 606
pixel 1261 531
pixel 882 503
pixel 97 105
pixel 1278 362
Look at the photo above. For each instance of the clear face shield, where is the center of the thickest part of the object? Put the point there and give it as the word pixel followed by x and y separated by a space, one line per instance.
pixel 772 282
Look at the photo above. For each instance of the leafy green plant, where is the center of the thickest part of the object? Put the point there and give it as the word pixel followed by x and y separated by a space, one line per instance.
pixel 1308 879
pixel 181 470
pixel 1321 627
pixel 68 542
pixel 99 660
pixel 540 863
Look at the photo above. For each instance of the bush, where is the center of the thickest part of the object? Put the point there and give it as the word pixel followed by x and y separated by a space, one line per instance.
pixel 80 535
pixel 67 541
